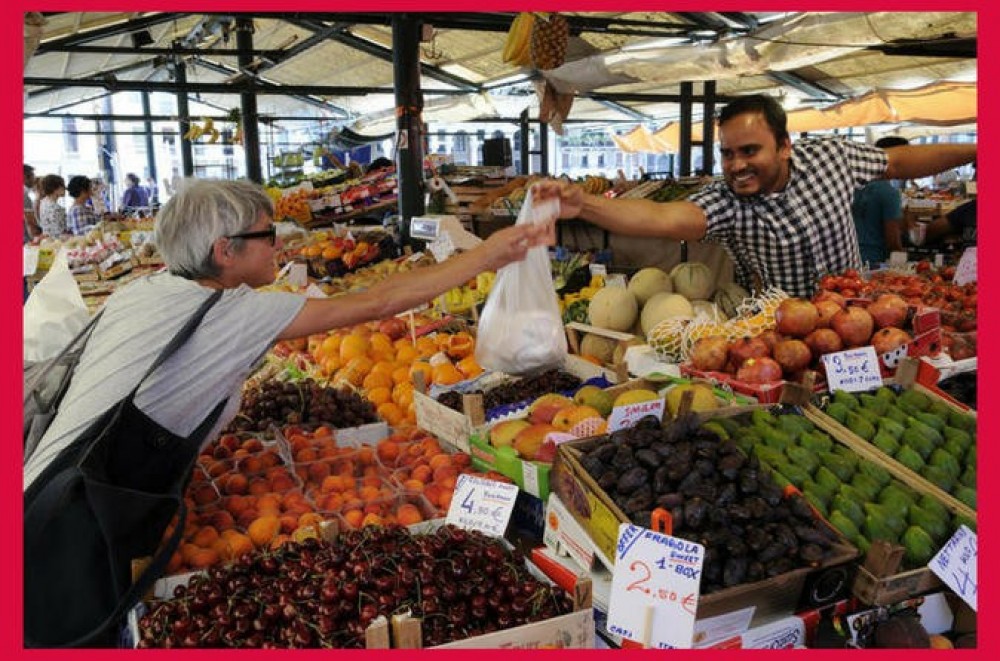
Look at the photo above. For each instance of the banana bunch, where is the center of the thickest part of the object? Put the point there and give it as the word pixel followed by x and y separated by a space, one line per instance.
pixel 517 48
pixel 462 299
pixel 207 128
pixel 595 185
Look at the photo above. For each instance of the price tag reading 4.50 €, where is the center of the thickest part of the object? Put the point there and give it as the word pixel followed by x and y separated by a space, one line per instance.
pixel 853 370
pixel 483 505
pixel 655 588
pixel 955 564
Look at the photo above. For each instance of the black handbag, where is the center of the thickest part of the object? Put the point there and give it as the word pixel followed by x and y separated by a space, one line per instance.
pixel 105 500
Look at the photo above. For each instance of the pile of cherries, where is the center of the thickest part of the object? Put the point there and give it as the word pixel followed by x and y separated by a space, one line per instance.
pixel 320 594
pixel 279 403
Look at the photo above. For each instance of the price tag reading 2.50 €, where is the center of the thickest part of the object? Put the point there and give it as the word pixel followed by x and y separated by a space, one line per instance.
pixel 655 588
pixel 483 505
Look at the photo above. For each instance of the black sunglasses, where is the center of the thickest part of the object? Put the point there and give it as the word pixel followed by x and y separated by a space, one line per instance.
pixel 270 233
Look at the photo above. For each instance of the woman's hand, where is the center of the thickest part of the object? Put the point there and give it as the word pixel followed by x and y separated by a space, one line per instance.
pixel 570 196
pixel 511 244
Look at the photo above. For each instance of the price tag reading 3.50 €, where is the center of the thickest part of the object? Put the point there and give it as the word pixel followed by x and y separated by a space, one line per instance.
pixel 483 505
pixel 655 588
pixel 853 370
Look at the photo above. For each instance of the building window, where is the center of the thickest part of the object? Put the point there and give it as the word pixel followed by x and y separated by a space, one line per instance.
pixel 585 161
pixel 600 160
pixel 461 142
pixel 69 135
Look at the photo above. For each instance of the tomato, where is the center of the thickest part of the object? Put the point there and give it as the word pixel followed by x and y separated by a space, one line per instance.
pixel 828 282
pixel 923 266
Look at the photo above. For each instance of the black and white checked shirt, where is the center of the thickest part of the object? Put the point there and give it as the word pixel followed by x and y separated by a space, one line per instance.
pixel 790 238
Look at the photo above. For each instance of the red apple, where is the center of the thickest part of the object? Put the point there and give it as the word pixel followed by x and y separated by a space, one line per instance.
pixel 889 310
pixel 824 340
pixel 826 311
pixel 796 317
pixel 393 327
pixel 759 370
pixel 709 354
pixel 793 355
pixel 854 326
pixel 827 295
pixel 747 347
pixel 889 339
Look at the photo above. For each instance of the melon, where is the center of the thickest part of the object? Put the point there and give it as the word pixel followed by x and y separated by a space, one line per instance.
pixel 693 280
pixel 613 308
pixel 728 297
pixel 601 348
pixel 649 282
pixel 664 306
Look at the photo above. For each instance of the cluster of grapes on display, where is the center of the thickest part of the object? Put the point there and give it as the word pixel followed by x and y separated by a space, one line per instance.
pixel 305 402
pixel 527 388
pixel 319 594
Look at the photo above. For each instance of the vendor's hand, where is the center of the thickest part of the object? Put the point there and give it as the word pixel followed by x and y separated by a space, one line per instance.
pixel 570 196
pixel 511 244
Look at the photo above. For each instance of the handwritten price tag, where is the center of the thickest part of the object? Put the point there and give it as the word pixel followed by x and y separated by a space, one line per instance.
pixel 965 272
pixel 956 563
pixel 655 588
pixel 853 370
pixel 626 416
pixel 483 505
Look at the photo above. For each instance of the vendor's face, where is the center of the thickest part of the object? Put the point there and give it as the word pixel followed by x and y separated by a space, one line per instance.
pixel 752 160
pixel 256 262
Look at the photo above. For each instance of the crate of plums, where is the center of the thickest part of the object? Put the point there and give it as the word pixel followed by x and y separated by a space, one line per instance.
pixel 766 544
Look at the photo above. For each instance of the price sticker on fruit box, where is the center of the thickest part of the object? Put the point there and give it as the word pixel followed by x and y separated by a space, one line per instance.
pixel 626 415
pixel 965 272
pixel 853 370
pixel 956 565
pixel 655 588
pixel 483 505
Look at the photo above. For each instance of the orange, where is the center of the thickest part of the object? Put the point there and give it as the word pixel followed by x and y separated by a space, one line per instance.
pixel 379 395
pixel 401 374
pixel 381 342
pixel 330 365
pixel 446 374
pixel 469 367
pixel 377 380
pixel 238 543
pixel 406 353
pixel 353 346
pixel 427 346
pixel 391 413
pixel 331 345
pixel 263 529
pixel 460 345
pixel 402 393
pixel 421 366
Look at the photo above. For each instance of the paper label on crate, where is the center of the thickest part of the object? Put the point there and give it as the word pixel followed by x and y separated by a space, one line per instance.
pixel 30 260
pixel 655 588
pixel 529 475
pixel 898 258
pixel 711 631
pixel 297 275
pixel 956 565
pixel 965 272
pixel 442 247
pixel 615 280
pixel 597 269
pixel 625 416
pixel 853 370
pixel 483 505
pixel 312 291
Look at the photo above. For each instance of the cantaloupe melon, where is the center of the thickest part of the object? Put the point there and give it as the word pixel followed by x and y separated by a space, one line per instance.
pixel 600 347
pixel 728 297
pixel 649 282
pixel 613 308
pixel 693 280
pixel 664 306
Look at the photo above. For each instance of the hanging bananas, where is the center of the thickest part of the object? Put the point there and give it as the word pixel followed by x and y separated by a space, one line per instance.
pixel 195 132
pixel 517 48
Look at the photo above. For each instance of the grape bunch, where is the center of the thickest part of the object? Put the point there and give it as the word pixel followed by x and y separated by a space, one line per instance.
pixel 528 388
pixel 304 402
pixel 319 594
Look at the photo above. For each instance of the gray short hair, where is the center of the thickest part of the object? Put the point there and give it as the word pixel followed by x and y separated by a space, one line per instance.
pixel 201 212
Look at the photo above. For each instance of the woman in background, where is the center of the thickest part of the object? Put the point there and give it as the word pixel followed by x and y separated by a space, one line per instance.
pixel 51 215
pixel 81 215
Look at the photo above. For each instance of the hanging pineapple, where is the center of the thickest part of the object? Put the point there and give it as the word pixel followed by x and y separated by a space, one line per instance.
pixel 549 40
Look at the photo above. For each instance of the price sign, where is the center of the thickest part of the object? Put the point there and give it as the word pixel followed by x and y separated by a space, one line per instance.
pixel 441 247
pixel 424 228
pixel 626 416
pixel 853 370
pixel 654 588
pixel 483 505
pixel 955 564
pixel 965 272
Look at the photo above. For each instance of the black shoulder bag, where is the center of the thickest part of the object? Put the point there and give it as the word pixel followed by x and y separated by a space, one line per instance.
pixel 103 501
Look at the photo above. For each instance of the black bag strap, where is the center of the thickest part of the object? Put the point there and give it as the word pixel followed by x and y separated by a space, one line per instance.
pixel 80 341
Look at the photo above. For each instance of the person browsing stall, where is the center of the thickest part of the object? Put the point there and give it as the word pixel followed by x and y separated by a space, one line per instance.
pixel 51 215
pixel 31 228
pixel 135 196
pixel 81 214
pixel 878 214
pixel 783 211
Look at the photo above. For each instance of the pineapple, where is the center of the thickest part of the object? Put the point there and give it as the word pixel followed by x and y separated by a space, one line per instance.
pixel 549 39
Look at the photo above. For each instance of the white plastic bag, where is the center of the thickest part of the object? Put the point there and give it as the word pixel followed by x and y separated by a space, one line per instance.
pixel 520 330
pixel 54 312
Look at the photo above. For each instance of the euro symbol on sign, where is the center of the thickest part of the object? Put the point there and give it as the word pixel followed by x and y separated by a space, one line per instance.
pixel 498 514
pixel 689 604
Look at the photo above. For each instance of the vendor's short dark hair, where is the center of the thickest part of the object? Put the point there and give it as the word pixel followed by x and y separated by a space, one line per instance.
pixel 28 170
pixel 78 185
pixel 891 141
pixel 766 105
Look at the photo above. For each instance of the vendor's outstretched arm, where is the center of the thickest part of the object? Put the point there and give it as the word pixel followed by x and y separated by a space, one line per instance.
pixel 916 161
pixel 681 220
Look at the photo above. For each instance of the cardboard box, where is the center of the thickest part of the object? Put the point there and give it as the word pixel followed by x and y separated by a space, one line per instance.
pixel 574 335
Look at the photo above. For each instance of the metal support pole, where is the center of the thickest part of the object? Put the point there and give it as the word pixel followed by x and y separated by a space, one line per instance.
pixel 406 29
pixel 108 145
pixel 248 100
pixel 685 146
pixel 150 147
pixel 184 115
pixel 525 143
pixel 708 129
pixel 543 148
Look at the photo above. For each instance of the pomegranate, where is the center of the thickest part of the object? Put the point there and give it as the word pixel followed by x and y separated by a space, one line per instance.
pixel 827 295
pixel 889 339
pixel 796 317
pixel 889 310
pixel 771 337
pixel 709 354
pixel 759 370
pixel 854 326
pixel 747 347
pixel 824 340
pixel 793 355
pixel 826 311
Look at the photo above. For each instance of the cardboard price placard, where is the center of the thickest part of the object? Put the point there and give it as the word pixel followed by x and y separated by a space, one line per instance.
pixel 955 564
pixel 626 416
pixel 483 505
pixel 853 370
pixel 965 272
pixel 655 588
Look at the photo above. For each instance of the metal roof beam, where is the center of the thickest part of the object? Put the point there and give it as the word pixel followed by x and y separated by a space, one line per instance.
pixel 126 27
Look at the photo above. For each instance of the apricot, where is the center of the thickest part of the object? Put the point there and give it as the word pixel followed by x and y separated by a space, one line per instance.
pixel 263 529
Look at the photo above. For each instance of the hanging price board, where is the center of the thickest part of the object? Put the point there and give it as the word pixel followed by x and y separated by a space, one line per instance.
pixel 627 415
pixel 655 588
pixel 955 564
pixel 483 505
pixel 853 370
pixel 965 272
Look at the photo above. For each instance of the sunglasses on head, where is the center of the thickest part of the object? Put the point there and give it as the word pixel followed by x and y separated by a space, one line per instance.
pixel 270 233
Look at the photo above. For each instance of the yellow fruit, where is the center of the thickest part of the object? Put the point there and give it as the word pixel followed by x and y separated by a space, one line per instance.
pixel 703 398
pixel 635 396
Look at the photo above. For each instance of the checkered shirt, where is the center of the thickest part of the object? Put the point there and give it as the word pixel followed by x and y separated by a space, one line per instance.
pixel 790 238
pixel 79 217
